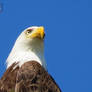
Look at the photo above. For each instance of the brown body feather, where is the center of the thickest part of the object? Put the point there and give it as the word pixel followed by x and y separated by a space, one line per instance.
pixel 8 80
pixel 30 77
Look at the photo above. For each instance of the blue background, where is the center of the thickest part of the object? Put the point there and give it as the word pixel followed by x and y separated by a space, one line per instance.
pixel 68 43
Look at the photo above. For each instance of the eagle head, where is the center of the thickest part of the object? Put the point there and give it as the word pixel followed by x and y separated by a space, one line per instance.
pixel 28 46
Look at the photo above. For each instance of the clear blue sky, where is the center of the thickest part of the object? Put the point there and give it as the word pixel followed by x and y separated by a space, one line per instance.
pixel 68 43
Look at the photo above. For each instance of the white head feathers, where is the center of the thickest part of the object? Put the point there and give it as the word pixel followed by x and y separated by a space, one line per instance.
pixel 28 46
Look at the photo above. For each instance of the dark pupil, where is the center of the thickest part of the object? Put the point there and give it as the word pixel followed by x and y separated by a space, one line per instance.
pixel 29 30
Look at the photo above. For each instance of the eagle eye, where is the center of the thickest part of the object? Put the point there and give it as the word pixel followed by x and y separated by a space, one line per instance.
pixel 29 31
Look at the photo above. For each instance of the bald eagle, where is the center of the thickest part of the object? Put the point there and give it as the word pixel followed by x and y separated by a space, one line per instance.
pixel 26 67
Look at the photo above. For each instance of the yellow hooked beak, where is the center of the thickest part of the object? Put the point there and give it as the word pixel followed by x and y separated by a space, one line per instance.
pixel 37 33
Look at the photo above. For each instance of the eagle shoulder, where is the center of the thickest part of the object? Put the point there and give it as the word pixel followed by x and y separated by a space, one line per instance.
pixel 32 77
pixel 8 80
